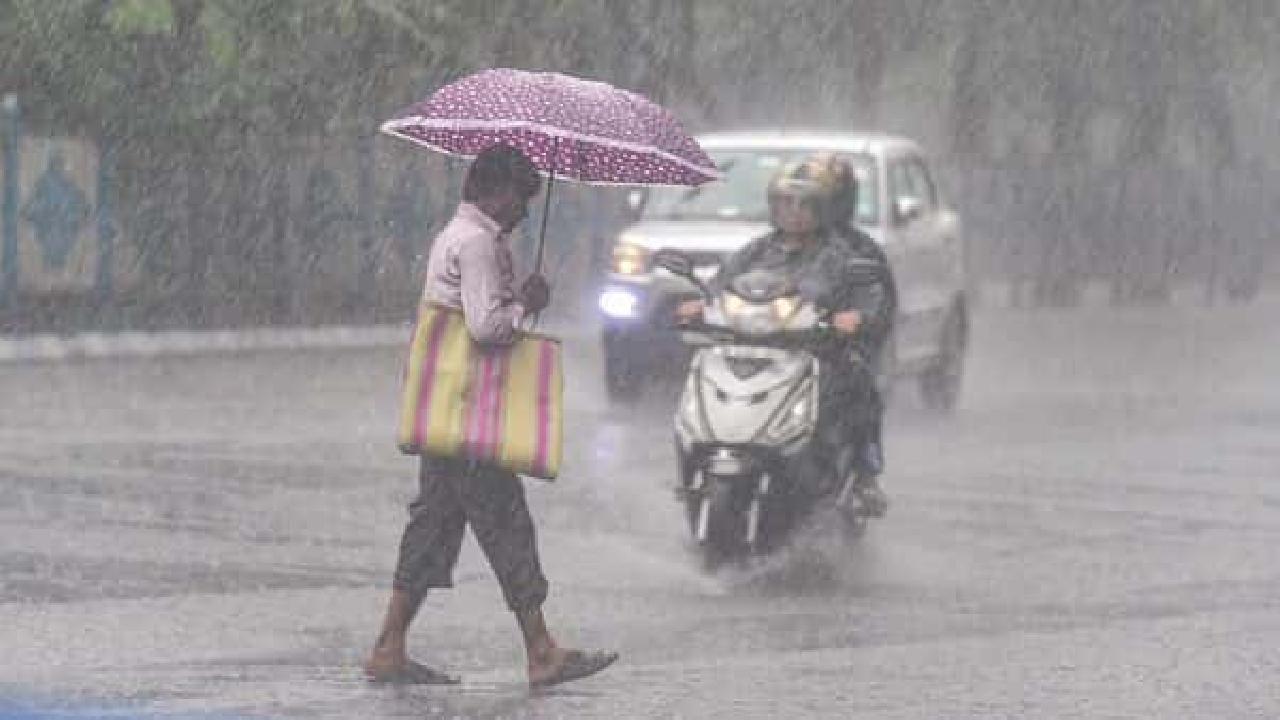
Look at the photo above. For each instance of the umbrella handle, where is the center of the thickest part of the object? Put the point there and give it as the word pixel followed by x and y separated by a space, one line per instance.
pixel 546 212
pixel 546 205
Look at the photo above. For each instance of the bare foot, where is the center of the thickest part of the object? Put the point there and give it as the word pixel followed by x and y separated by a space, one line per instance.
pixel 389 667
pixel 561 666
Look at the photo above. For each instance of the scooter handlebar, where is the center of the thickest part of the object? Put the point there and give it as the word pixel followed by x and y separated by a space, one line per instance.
pixel 719 334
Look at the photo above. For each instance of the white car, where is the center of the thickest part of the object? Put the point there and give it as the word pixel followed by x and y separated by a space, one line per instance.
pixel 898 205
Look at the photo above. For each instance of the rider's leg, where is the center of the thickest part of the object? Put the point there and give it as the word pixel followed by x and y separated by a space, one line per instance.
pixel 870 458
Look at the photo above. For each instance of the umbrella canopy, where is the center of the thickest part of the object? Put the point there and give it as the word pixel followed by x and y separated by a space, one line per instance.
pixel 570 128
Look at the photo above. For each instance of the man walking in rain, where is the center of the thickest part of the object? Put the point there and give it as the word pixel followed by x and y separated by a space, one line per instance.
pixel 470 269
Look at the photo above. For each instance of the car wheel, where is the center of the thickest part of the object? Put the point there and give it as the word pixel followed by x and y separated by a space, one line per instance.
pixel 940 383
pixel 887 373
pixel 623 376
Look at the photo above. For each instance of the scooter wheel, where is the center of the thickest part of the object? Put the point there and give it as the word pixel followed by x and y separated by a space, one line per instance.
pixel 723 536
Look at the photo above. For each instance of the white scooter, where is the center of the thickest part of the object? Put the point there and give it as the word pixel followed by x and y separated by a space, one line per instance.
pixel 754 460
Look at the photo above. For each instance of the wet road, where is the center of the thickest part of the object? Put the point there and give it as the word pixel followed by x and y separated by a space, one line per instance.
pixel 1093 535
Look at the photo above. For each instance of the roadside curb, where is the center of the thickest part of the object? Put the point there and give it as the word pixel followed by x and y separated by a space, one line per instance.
pixel 572 327
pixel 90 345
pixel 145 344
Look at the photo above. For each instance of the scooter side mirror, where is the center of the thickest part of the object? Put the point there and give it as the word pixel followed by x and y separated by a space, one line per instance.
pixel 635 203
pixel 907 209
pixel 674 262
pixel 681 265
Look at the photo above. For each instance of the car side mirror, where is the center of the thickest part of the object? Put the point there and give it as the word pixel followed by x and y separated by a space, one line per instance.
pixel 636 200
pixel 907 209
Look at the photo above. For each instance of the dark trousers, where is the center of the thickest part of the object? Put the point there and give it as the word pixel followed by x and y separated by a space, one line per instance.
pixel 452 495
pixel 852 412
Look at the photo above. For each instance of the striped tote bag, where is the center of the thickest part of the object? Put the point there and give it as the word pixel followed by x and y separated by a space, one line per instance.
pixel 496 404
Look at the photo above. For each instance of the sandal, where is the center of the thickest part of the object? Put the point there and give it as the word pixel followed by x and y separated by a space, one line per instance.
pixel 413 673
pixel 577 665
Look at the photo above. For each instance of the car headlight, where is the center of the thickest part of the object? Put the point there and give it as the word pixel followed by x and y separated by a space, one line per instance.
pixel 619 303
pixel 732 304
pixel 630 258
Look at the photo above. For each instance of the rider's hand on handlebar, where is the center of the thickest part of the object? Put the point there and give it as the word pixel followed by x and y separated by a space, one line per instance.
pixel 847 322
pixel 689 311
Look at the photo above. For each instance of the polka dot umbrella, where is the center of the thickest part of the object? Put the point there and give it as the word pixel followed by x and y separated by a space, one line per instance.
pixel 574 129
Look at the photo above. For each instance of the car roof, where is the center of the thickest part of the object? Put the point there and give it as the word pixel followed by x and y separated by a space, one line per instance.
pixel 849 142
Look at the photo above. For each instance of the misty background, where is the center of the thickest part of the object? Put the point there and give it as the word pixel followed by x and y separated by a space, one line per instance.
pixel 1124 148
pixel 191 532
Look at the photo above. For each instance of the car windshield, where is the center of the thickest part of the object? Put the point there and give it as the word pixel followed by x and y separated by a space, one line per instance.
pixel 741 194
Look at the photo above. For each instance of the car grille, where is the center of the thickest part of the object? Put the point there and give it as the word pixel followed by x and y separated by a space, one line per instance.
pixel 664 310
pixel 706 258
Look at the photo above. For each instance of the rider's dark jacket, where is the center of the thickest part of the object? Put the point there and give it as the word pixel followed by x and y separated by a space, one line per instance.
pixel 878 302
pixel 831 273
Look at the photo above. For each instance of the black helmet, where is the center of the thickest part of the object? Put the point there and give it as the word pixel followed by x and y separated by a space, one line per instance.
pixel 844 196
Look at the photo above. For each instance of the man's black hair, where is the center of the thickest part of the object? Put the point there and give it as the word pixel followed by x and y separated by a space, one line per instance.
pixel 498 167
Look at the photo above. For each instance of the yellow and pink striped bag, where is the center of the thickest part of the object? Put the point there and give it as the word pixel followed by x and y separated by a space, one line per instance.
pixel 497 404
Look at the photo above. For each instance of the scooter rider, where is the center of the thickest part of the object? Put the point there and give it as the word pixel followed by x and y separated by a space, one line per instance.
pixel 808 245
pixel 878 303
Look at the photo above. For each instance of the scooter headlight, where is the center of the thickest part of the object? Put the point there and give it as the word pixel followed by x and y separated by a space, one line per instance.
pixel 750 318
pixel 732 304
pixel 785 307
pixel 689 424
pixel 797 418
